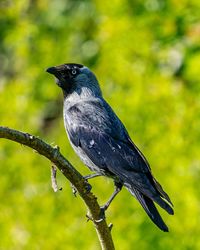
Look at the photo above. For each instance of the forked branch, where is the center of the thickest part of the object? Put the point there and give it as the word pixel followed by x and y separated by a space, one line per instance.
pixel 77 180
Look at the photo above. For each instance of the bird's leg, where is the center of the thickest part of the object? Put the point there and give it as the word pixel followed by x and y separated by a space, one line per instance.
pixel 87 177
pixel 118 187
pixel 90 176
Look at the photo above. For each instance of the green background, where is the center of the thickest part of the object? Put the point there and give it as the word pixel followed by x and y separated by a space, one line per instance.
pixel 146 55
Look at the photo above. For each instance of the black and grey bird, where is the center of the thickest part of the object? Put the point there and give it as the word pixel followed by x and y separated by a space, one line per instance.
pixel 102 142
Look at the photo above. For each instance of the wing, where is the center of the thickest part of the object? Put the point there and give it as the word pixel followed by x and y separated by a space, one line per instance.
pixel 105 141
pixel 101 135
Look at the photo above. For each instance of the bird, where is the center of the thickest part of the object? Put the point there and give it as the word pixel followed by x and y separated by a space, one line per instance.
pixel 102 142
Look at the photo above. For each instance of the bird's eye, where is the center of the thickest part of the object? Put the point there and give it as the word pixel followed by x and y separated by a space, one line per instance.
pixel 73 72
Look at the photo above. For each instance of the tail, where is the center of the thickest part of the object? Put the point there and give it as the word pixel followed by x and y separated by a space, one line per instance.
pixel 149 208
pixel 161 191
pixel 149 187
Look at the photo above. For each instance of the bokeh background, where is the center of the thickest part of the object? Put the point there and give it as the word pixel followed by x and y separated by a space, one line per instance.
pixel 146 55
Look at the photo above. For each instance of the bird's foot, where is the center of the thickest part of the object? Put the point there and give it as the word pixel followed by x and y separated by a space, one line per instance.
pixel 101 214
pixel 88 187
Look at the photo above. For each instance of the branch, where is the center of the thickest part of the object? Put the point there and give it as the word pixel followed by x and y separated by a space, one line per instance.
pixel 77 180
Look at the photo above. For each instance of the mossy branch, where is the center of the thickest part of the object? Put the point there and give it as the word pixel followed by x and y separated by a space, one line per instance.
pixel 77 180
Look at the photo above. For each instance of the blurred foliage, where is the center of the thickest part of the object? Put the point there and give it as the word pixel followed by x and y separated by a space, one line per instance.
pixel 146 55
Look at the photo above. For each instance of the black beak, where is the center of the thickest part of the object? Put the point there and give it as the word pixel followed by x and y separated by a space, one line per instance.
pixel 52 70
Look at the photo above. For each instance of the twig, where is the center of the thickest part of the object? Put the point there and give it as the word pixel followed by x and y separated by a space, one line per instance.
pixel 70 173
pixel 53 179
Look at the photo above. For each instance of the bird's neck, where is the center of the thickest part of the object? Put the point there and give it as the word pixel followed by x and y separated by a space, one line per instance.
pixel 83 89
pixel 80 95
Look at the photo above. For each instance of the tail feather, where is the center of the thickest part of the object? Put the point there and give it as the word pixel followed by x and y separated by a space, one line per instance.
pixel 161 191
pixel 153 194
pixel 149 208
pixel 162 203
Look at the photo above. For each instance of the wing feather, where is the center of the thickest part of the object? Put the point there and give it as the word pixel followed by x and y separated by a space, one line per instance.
pixel 105 141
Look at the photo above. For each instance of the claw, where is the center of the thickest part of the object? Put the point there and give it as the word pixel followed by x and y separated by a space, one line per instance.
pixel 101 214
pixel 88 187
pixel 100 220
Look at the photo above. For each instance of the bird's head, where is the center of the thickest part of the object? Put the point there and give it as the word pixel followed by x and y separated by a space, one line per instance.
pixel 72 77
